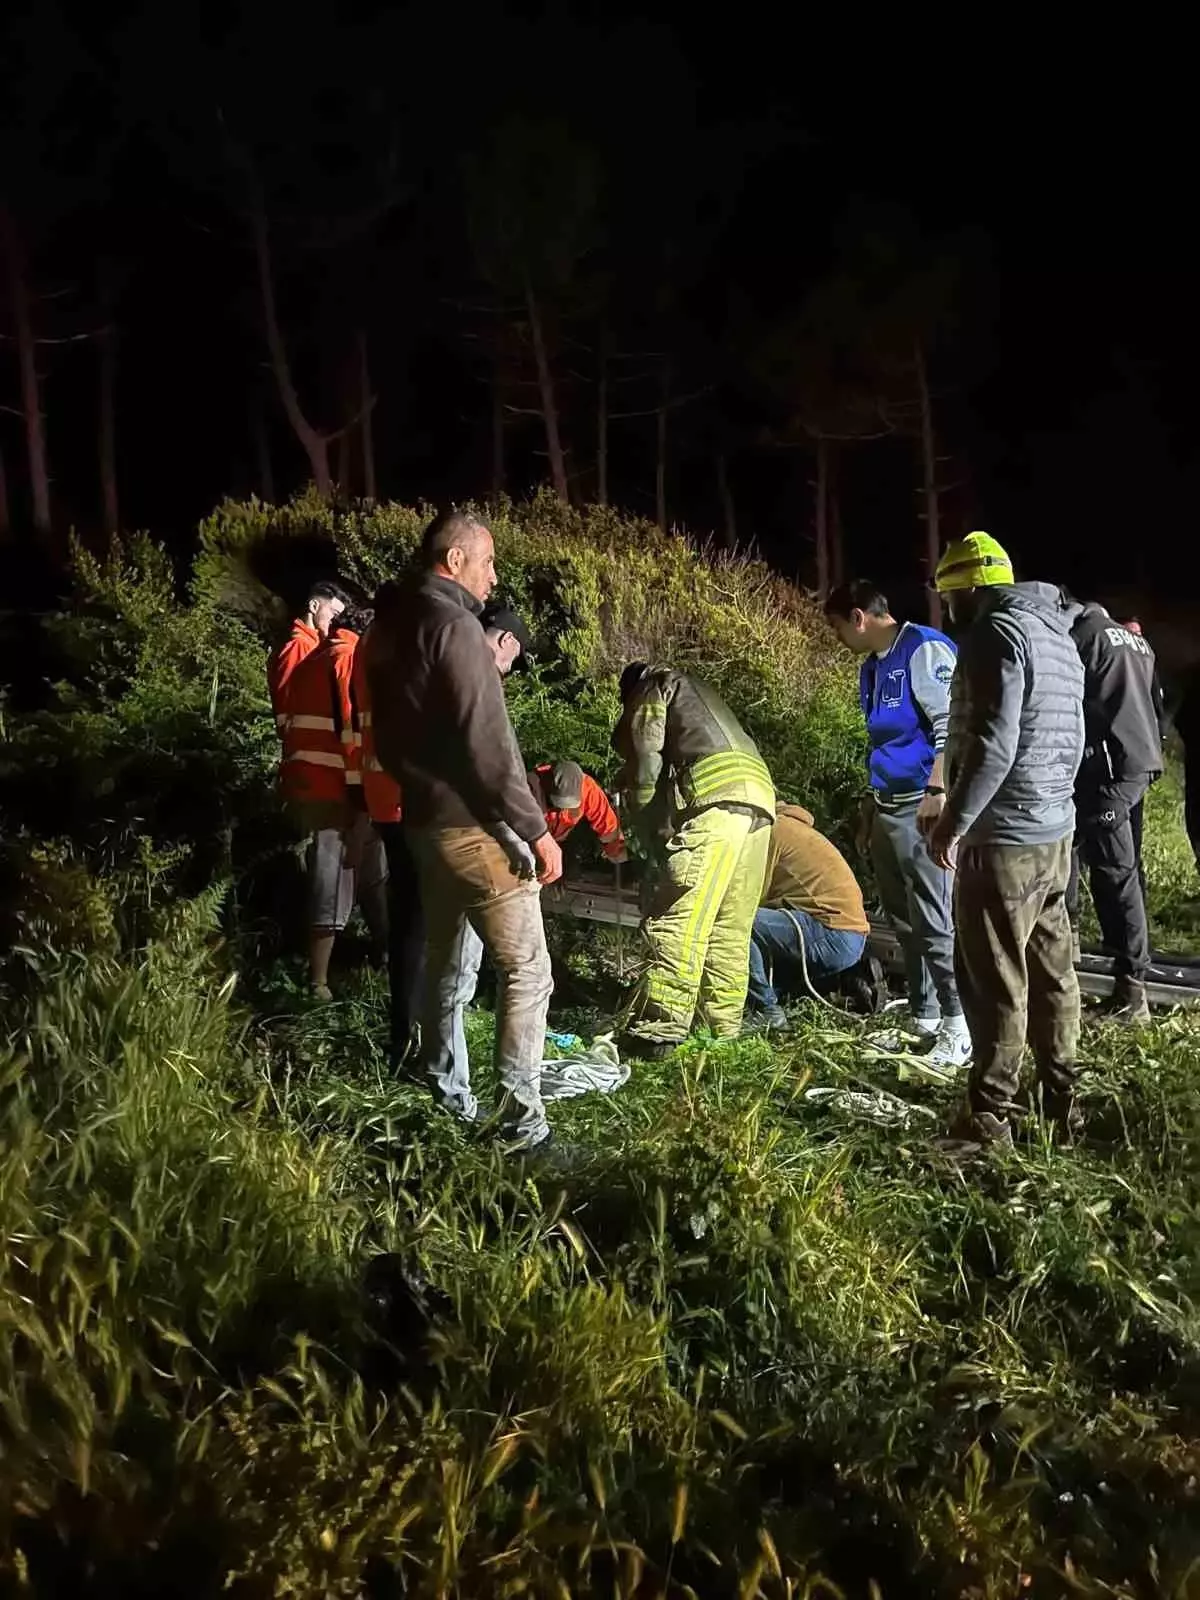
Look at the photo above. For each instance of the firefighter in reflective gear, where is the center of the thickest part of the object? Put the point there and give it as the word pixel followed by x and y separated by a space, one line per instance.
pixel 569 796
pixel 326 601
pixel 699 793
pixel 321 782
pixel 405 922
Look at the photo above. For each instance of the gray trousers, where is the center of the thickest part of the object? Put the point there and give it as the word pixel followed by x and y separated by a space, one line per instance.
pixel 474 901
pixel 334 885
pixel 917 897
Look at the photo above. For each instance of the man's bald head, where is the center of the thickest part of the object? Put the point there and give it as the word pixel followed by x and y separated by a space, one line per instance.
pixel 457 545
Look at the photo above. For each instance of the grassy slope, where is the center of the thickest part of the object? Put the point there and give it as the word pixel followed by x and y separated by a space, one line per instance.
pixel 748 1343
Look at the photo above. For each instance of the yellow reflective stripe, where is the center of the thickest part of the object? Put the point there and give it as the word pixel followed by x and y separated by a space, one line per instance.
pixel 322 724
pixel 282 719
pixel 350 737
pixel 364 718
pixel 316 758
pixel 713 772
pixel 354 777
pixel 709 893
pixel 372 764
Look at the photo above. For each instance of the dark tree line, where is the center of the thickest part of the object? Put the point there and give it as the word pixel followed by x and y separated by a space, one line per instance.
pixel 574 251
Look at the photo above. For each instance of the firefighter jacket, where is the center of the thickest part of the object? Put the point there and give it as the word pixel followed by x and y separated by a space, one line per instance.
pixel 381 792
pixel 320 745
pixel 684 751
pixel 301 642
pixel 594 808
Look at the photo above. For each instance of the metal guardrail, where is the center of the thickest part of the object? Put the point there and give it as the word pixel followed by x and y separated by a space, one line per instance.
pixel 1170 982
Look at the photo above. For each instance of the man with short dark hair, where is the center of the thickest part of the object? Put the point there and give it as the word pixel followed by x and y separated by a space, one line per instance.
pixel 442 730
pixel 320 779
pixel 326 600
pixel 904 689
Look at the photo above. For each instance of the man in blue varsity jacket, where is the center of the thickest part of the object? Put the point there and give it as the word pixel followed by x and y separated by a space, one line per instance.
pixel 904 686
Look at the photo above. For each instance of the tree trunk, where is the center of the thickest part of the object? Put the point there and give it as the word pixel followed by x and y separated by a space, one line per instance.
pixel 822 520
pixel 933 542
pixel 31 403
pixel 602 422
pixel 5 516
pixel 262 448
pixel 726 493
pixel 660 472
pixel 342 470
pixel 315 444
pixel 837 545
pixel 499 476
pixel 108 426
pixel 554 449
pixel 368 419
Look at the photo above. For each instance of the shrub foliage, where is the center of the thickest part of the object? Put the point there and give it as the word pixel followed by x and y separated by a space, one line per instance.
pixel 749 1348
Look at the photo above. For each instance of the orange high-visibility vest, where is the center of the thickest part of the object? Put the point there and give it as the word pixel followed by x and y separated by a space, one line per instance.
pixel 380 790
pixel 594 808
pixel 319 745
pixel 302 641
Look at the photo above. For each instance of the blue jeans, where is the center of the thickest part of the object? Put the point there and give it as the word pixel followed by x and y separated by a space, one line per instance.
pixel 775 951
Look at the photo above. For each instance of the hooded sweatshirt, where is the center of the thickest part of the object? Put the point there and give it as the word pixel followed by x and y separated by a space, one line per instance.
pixel 1016 720
pixel 807 873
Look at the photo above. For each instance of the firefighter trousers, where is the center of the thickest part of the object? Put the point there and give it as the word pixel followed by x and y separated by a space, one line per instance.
pixel 698 926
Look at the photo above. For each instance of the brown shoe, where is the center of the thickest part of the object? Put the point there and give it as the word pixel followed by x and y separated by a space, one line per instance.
pixel 974 1133
pixel 1129 1007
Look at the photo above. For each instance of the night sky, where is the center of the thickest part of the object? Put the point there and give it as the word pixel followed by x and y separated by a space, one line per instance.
pixel 730 154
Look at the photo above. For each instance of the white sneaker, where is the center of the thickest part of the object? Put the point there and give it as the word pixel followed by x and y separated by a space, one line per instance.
pixel 907 1033
pixel 951 1049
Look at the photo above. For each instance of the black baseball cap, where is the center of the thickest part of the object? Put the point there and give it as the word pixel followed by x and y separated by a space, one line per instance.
pixel 503 619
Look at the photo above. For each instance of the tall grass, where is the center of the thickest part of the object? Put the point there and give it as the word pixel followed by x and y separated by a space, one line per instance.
pixel 747 1347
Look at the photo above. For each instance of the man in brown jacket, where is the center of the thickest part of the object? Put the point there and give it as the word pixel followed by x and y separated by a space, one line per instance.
pixel 811 919
pixel 442 730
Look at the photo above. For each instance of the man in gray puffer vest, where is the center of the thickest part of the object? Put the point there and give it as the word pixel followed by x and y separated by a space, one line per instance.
pixel 1013 749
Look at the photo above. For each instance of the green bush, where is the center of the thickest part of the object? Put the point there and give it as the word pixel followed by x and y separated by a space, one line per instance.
pixel 600 590
pixel 749 1348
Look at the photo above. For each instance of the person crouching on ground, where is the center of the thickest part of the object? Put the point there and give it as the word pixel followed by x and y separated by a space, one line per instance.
pixel 811 924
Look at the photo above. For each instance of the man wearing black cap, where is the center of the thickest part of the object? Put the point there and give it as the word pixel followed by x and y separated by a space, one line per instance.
pixel 507 637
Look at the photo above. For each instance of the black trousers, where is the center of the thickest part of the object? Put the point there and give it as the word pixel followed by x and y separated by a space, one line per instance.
pixel 1108 842
pixel 406 934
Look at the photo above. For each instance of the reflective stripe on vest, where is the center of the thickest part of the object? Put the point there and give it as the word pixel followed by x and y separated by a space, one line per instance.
pixel 381 792
pixel 731 777
pixel 314 757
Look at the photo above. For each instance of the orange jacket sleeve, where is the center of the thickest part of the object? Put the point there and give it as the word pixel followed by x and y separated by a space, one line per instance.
pixel 302 641
pixel 601 817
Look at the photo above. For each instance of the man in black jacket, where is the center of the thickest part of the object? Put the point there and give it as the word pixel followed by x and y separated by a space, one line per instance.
pixel 1122 757
pixel 442 730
